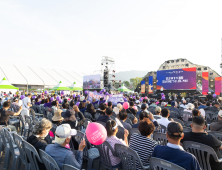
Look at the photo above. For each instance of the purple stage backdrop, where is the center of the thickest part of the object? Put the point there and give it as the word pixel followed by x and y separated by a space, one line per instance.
pixel 177 79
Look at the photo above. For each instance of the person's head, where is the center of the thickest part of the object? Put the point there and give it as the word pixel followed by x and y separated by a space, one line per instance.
pixel 42 128
pixel 43 101
pixel 199 104
pixel 63 134
pixel 108 111
pixel 158 110
pixel 57 115
pixel 173 103
pixel 111 128
pixel 110 104
pixel 36 99
pixel 123 115
pixel 54 103
pixel 29 95
pixel 198 124
pixel 82 105
pixel 220 115
pixel 94 100
pixel 163 104
pixel 69 115
pixel 102 106
pixel 146 127
pixel 216 104
pixel 196 112
pixel 72 103
pixel 6 105
pixel 15 100
pixel 65 100
pixel 143 115
pixel 143 106
pixel 90 108
pixel 144 100
pixel 65 105
pixel 47 100
pixel 119 106
pixel 174 132
pixel 184 101
pixel 208 103
pixel 204 103
pixel 195 105
pixel 131 104
pixel 190 106
pixel 165 112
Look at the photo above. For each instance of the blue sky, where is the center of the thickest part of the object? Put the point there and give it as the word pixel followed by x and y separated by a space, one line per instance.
pixel 139 34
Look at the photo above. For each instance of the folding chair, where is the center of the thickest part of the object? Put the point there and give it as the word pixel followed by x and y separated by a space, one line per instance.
pixel 179 121
pixel 202 153
pixel 187 129
pixel 129 121
pixel 104 150
pixel 162 129
pixel 160 138
pixel 48 161
pixel 120 133
pixel 132 131
pixel 156 163
pixel 103 123
pixel 128 157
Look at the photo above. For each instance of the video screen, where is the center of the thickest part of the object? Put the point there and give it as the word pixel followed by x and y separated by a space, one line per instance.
pixel 177 79
pixel 91 81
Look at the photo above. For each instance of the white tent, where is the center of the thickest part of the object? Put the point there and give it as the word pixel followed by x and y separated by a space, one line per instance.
pixel 5 86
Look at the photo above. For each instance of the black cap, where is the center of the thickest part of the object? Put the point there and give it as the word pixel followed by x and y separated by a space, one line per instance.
pixel 174 127
pixel 68 113
pixel 143 106
pixel 215 103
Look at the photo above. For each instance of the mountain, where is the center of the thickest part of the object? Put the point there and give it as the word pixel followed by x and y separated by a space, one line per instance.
pixel 127 75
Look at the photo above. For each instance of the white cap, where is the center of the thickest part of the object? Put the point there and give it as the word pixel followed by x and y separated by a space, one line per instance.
pixel 64 131
pixel 82 98
pixel 116 110
pixel 190 106
pixel 137 101
pixel 220 113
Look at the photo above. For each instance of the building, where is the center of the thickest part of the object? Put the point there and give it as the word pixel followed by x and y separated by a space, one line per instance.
pixel 179 64
pixel 38 78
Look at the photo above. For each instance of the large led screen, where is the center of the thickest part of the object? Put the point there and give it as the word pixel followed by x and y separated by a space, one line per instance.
pixel 91 81
pixel 177 79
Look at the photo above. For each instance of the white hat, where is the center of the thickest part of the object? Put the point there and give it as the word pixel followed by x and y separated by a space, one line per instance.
pixel 64 131
pixel 116 110
pixel 220 113
pixel 137 101
pixel 190 106
pixel 121 100
pixel 82 98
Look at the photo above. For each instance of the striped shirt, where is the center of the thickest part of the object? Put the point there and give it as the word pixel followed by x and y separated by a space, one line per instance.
pixel 112 141
pixel 143 146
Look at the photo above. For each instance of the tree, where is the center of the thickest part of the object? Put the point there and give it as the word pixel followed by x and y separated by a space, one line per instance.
pixel 135 81
pixel 126 83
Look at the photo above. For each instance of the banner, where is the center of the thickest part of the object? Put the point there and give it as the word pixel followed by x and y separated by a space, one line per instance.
pixel 91 81
pixel 142 86
pixel 150 84
pixel 218 85
pixel 177 79
pixel 95 95
pixel 205 83
pixel 115 98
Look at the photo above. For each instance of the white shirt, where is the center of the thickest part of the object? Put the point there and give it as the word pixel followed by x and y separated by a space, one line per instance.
pixel 163 121
pixel 175 146
pixel 20 102
pixel 25 102
pixel 183 106
pixel 202 111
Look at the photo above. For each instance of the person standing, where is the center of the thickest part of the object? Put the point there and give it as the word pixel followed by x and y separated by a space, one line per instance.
pixel 26 103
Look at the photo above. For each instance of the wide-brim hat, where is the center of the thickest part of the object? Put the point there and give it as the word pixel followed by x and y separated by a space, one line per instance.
pixel 57 115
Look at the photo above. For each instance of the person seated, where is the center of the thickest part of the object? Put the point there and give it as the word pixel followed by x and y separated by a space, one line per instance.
pixel 70 118
pixel 143 144
pixel 195 113
pixel 120 107
pixel 217 126
pixel 65 106
pixel 42 102
pixel 107 115
pixel 131 109
pixel 198 135
pixel 82 106
pixel 90 109
pixel 173 152
pixel 40 131
pixel 102 108
pixel 112 129
pixel 71 104
pixel 57 118
pixel 47 103
pixel 173 108
pixel 110 104
pixel 123 117
pixel 158 111
pixel 37 101
pixel 165 113
pixel 60 153
pixel 55 105
pixel 202 106
pixel 214 108
pixel 163 104
pixel 152 103
pixel 183 105
pixel 5 113
pixel 143 108
pixel 94 101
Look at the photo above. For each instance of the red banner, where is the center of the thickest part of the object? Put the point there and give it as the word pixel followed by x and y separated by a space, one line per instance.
pixel 218 85
pixel 205 83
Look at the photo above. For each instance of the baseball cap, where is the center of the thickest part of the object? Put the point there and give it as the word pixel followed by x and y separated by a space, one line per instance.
pixel 174 127
pixel 64 131
pixel 215 103
pixel 137 101
pixel 220 113
pixel 143 106
pixel 173 103
pixel 68 113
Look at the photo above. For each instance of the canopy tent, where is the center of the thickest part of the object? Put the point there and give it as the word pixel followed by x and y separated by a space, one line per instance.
pixel 73 87
pixel 123 88
pixel 60 87
pixel 6 86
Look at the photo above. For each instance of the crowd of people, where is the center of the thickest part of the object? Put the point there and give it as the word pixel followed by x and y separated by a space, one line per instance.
pixel 147 116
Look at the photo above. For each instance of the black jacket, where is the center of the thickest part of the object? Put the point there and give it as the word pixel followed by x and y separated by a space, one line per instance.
pixel 104 118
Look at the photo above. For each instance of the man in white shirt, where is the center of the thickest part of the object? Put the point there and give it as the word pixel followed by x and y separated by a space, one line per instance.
pixel 164 120
pixel 26 103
